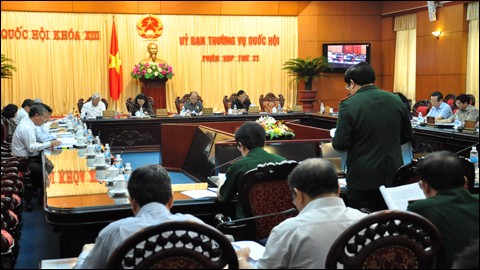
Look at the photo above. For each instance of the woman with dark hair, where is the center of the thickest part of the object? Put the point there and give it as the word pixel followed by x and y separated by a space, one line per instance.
pixel 405 102
pixel 140 102
pixel 8 116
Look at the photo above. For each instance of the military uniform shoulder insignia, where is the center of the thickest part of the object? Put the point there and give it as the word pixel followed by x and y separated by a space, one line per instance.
pixel 345 98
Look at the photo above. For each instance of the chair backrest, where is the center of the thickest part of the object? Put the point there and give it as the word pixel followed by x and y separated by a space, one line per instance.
pixel 388 240
pixel 3 136
pixel 227 101
pixel 265 190
pixel 82 101
pixel 422 106
pixel 270 101
pixel 151 102
pixel 175 245
pixel 180 101
pixel 406 174
pixel 129 104
pixel 450 100
pixel 471 99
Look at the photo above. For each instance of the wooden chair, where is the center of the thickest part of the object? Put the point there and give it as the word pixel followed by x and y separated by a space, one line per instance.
pixel 406 174
pixel 262 191
pixel 82 101
pixel 450 100
pixel 270 101
pixel 422 106
pixel 471 99
pixel 388 240
pixel 227 101
pixel 180 101
pixel 175 245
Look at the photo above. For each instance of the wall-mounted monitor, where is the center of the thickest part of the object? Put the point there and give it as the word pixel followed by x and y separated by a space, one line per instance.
pixel 341 56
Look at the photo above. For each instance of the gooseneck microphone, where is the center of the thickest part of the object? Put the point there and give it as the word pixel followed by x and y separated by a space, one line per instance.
pixel 226 163
pixel 220 217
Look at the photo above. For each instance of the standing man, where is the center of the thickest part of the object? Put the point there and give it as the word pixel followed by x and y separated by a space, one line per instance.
pixel 372 125
pixel 243 104
pixel 94 107
pixel 440 110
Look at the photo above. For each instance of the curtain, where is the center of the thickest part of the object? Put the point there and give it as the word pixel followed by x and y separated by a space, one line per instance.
pixel 62 71
pixel 472 51
pixel 405 56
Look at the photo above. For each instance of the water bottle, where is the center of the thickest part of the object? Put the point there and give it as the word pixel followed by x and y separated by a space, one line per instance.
pixel 118 161
pixel 274 110
pixel 183 111
pixel 322 108
pixel 128 171
pixel 89 136
pixel 279 108
pixel 108 157
pixel 420 118
pixel 474 157
pixel 141 112
pixel 235 109
pixel 457 124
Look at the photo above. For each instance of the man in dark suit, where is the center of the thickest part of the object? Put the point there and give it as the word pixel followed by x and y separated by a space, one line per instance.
pixel 242 102
pixel 372 125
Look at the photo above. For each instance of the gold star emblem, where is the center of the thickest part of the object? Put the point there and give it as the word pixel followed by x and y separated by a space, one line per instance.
pixel 115 62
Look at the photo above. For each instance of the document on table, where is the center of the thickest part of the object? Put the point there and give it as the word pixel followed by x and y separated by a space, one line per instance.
pixel 397 198
pixel 256 250
pixel 200 194
pixel 67 141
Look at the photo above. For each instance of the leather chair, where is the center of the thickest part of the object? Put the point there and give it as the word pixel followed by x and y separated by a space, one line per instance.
pixel 270 101
pixel 227 101
pixel 450 100
pixel 422 106
pixel 471 99
pixel 263 191
pixel 175 245
pixel 388 240
pixel 180 101
pixel 82 101
pixel 129 104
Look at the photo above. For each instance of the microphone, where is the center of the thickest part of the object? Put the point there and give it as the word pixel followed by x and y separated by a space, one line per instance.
pixel 219 166
pixel 220 217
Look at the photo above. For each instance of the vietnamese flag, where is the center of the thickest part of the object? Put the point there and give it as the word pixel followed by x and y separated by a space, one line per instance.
pixel 115 67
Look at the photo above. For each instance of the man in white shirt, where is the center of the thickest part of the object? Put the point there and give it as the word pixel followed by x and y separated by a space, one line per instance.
pixel 25 145
pixel 440 110
pixel 93 108
pixel 151 197
pixel 23 112
pixel 304 241
pixel 43 131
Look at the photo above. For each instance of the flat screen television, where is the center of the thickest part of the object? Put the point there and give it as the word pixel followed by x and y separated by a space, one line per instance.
pixel 341 56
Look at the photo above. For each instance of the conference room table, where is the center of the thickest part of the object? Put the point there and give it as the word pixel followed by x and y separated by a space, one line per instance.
pixel 79 206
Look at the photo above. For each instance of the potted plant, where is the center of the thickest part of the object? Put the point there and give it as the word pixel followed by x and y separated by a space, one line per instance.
pixel 7 68
pixel 308 70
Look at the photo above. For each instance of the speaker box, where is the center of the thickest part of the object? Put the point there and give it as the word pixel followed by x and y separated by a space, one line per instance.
pixel 432 11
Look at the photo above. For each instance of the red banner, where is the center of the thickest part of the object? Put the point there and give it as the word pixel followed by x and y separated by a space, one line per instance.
pixel 115 67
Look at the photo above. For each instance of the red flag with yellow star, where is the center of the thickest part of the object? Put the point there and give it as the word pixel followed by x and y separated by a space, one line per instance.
pixel 115 67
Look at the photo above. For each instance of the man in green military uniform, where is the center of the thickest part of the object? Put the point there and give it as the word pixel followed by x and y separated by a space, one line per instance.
pixel 372 125
pixel 250 138
pixel 449 206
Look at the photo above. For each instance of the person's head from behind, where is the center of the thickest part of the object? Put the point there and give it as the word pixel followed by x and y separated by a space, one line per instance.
pixel 140 99
pixel 96 99
pixel 440 171
pixel 10 111
pixel 38 114
pixel 242 96
pixel 193 97
pixel 250 135
pixel 150 183
pixel 359 75
pixel 462 101
pixel 436 99
pixel 27 103
pixel 313 178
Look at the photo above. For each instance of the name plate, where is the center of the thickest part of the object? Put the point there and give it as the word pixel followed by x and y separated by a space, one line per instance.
pixel 207 111
pixel 327 110
pixel 430 120
pixel 161 112
pixel 108 113
pixel 469 125
pixel 254 109
pixel 297 108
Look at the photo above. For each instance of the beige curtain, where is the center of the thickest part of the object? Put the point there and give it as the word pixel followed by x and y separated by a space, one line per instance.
pixel 472 51
pixel 405 56
pixel 62 71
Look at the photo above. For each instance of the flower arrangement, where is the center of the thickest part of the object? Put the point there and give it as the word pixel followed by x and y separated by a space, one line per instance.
pixel 152 71
pixel 274 128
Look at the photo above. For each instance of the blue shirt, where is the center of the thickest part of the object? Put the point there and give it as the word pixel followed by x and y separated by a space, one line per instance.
pixel 443 110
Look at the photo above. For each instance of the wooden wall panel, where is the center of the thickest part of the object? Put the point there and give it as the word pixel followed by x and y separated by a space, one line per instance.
pixel 346 28
pixel 446 84
pixel 398 6
pixel 148 7
pixel 191 7
pixel 308 30
pixel 250 8
pixel 446 55
pixel 40 6
pixel 386 56
pixel 350 8
pixel 288 8
pixel 105 7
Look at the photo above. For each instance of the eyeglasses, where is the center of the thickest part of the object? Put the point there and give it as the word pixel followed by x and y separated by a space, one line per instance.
pixel 347 86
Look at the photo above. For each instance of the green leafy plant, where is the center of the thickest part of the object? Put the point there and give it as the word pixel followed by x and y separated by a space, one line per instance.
pixel 274 128
pixel 307 69
pixel 152 71
pixel 7 67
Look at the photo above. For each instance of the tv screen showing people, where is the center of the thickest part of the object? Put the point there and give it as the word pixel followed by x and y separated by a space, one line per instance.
pixel 342 56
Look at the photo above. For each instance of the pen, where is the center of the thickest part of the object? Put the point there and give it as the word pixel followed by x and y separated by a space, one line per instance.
pixel 63 147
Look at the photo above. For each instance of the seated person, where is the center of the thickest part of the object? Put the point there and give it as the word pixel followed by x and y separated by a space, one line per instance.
pixel 8 115
pixel 43 131
pixel 23 112
pixel 449 206
pixel 250 138
pixel 242 103
pixel 440 110
pixel 93 108
pixel 151 198
pixel 406 103
pixel 465 110
pixel 303 242
pixel 140 101
pixel 193 105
